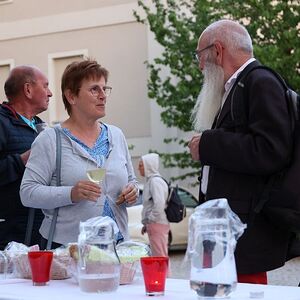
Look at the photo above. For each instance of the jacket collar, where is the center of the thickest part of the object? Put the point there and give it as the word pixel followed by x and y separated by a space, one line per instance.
pixel 15 116
pixel 227 104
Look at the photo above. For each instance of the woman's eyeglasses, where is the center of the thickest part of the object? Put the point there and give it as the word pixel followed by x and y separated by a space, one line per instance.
pixel 97 90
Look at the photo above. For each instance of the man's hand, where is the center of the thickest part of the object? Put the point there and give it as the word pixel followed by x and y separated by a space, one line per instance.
pixel 25 156
pixel 194 146
pixel 85 190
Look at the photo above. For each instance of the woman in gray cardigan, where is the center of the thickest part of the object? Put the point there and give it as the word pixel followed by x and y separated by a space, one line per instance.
pixel 86 143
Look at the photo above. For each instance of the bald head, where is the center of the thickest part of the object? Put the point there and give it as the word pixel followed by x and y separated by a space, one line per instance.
pixel 231 34
pixel 17 78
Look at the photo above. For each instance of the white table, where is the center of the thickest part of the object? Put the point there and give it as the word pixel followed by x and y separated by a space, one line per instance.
pixel 176 289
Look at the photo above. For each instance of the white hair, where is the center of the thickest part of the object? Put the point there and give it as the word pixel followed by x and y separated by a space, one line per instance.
pixel 210 97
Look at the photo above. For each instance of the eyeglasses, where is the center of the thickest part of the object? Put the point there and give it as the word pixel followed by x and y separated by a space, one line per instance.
pixel 197 53
pixel 97 90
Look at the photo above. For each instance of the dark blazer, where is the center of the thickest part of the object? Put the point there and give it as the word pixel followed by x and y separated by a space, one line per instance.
pixel 16 137
pixel 242 161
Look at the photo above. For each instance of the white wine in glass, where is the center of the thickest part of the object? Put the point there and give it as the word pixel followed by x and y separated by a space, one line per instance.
pixel 96 175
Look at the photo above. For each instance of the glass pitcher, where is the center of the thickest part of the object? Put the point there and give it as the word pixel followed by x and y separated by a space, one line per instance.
pixel 212 240
pixel 98 265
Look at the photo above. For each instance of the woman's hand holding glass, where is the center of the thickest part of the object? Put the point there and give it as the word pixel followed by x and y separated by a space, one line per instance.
pixel 93 186
pixel 85 190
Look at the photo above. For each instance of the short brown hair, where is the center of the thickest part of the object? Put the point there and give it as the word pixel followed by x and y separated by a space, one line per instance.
pixel 16 80
pixel 75 73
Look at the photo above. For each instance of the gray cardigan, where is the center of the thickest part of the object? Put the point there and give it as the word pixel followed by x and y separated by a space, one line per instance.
pixel 39 190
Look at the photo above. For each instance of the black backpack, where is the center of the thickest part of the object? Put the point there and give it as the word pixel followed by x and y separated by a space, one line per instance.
pixel 175 209
pixel 280 200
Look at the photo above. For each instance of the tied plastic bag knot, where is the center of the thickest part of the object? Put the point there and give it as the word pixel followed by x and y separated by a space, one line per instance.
pixel 98 264
pixel 97 230
pixel 214 216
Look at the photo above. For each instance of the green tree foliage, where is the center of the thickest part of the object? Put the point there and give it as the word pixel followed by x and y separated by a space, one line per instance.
pixel 273 25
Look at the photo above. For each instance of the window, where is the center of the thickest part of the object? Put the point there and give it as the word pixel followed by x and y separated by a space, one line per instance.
pixel 5 67
pixel 5 1
pixel 56 65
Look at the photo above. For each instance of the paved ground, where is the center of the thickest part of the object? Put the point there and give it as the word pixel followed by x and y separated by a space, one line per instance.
pixel 287 275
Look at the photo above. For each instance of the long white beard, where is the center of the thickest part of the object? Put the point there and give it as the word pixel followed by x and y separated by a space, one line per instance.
pixel 209 99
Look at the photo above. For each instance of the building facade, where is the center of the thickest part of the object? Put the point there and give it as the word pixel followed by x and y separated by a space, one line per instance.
pixel 51 34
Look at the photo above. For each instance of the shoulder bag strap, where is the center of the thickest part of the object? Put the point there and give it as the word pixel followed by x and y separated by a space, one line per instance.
pixel 238 114
pixel 58 183
pixel 167 183
pixel 31 213
pixel 29 227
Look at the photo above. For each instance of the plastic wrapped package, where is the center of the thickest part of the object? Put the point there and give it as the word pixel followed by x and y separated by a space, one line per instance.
pixel 213 232
pixel 3 265
pixel 129 254
pixel 96 244
pixel 98 262
pixel 17 255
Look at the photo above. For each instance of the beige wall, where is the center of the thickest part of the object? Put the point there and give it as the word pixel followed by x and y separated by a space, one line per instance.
pixel 122 49
pixel 4 71
pixel 28 9
pixel 50 34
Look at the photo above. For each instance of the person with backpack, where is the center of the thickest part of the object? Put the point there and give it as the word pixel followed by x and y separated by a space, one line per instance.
pixel 239 160
pixel 155 196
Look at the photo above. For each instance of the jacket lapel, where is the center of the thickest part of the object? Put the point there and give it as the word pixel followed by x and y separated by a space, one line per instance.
pixel 226 109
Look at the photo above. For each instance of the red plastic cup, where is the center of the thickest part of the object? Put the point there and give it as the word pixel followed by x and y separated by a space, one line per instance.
pixel 155 270
pixel 40 264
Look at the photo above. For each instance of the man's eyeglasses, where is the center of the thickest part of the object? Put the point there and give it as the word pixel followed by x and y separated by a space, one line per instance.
pixel 97 90
pixel 197 53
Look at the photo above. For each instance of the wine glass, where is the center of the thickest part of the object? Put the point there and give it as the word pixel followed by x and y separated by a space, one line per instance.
pixel 96 173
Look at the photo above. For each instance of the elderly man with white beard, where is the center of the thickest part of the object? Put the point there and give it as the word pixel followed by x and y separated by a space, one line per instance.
pixel 236 164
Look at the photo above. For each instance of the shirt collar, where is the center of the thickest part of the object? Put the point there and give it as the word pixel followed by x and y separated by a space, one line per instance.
pixel 229 83
pixel 30 123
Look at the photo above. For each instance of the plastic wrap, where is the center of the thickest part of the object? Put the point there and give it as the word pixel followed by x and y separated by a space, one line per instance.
pixel 19 264
pixel 98 262
pixel 213 233
pixel 129 254
pixel 3 265
pixel 211 216
pixel 97 230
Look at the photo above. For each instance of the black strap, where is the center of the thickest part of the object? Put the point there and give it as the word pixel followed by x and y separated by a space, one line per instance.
pixel 167 182
pixel 238 105
pixel 29 226
pixel 239 116
pixel 31 213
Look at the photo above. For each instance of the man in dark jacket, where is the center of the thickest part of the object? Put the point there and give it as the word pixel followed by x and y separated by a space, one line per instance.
pixel 28 94
pixel 237 164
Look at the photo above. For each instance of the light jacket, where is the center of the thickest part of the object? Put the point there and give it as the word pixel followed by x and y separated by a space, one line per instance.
pixel 155 192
